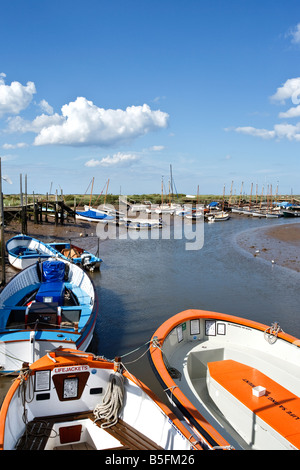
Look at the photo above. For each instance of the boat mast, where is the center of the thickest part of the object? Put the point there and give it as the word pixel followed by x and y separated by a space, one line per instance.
pixel 250 196
pixel 241 193
pixel 91 191
pixel 106 192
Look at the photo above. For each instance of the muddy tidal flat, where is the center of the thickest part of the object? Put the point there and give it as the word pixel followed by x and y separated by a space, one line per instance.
pixel 278 244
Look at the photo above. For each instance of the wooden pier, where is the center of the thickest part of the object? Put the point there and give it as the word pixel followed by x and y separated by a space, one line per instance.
pixel 38 212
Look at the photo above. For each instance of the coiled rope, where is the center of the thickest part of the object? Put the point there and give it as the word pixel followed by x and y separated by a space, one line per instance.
pixel 271 333
pixel 112 401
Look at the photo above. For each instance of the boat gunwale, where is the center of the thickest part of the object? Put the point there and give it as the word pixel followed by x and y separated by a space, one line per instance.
pixel 171 388
pixel 86 358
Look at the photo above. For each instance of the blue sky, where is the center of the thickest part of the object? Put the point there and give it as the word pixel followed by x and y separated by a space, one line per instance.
pixel 123 89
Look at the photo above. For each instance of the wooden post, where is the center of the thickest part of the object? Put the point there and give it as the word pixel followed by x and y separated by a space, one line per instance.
pixel 56 210
pixel 35 210
pixel 23 213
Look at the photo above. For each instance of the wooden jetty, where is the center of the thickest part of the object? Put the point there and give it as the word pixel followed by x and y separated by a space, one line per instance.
pixel 39 211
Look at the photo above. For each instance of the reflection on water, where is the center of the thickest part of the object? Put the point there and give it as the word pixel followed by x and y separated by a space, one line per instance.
pixel 144 282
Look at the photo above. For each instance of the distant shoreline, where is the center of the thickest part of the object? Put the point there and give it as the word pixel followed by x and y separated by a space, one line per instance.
pixel 279 245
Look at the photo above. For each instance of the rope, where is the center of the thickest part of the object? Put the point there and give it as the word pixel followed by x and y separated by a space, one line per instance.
pixel 112 401
pixel 271 333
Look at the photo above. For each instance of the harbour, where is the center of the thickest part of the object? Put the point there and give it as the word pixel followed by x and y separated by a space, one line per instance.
pixel 144 280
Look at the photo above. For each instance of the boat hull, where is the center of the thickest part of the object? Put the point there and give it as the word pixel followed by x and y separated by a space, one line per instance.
pixel 39 315
pixel 23 251
pixel 191 342
pixel 67 388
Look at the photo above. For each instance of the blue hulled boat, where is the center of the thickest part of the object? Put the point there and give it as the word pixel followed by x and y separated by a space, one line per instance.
pixel 24 250
pixel 47 305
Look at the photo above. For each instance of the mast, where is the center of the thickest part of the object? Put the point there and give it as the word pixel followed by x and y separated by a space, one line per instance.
pixel 91 191
pixel 262 195
pixel 250 196
pixel 241 193
pixel 106 192
pixel 171 178
pixel 230 193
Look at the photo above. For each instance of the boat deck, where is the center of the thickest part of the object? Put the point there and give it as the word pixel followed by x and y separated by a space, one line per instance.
pixel 40 430
pixel 277 407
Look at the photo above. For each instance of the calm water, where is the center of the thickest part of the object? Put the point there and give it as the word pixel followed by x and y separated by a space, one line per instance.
pixel 144 282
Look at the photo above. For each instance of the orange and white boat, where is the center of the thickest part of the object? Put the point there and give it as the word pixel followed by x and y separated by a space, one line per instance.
pixel 70 399
pixel 231 376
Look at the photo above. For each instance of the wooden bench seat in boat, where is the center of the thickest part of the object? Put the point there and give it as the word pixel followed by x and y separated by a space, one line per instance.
pixel 38 432
pixel 278 407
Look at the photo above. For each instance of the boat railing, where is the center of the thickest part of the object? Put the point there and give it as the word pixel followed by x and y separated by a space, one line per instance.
pixel 28 276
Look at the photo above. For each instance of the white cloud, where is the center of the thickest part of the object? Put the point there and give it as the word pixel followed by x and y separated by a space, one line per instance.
pixel 20 145
pixel 14 97
pixel 157 148
pixel 18 124
pixel 289 90
pixel 263 133
pixel 290 113
pixel 288 131
pixel 84 123
pixel 116 159
pixel 295 34
pixel 45 106
pixel 281 131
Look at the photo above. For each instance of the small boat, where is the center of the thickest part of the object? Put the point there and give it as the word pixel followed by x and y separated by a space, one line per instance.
pixel 291 213
pixel 24 250
pixel 48 304
pixel 138 224
pixel 164 209
pixel 71 400
pixel 273 215
pixel 92 215
pixel 217 216
pixel 231 377
pixel 105 210
pixel 195 214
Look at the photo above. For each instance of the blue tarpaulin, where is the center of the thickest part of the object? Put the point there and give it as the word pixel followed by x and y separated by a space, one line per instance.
pixel 213 204
pixel 53 271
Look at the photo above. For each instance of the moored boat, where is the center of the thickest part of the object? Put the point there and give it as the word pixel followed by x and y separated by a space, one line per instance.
pixel 217 216
pixel 139 224
pixel 92 215
pixel 46 305
pixel 237 376
pixel 24 251
pixel 74 400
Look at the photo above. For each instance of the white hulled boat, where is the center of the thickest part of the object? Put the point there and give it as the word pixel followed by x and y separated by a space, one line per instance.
pixel 232 376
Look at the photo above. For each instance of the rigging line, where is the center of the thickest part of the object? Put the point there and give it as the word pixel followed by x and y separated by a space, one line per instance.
pixel 101 193
pixel 84 193
pixel 137 349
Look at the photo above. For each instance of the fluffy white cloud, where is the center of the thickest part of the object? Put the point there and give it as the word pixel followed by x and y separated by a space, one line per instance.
pixel 14 97
pixel 289 90
pixel 280 131
pixel 85 124
pixel 291 113
pixel 288 131
pixel 116 159
pixel 45 106
pixel 18 124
